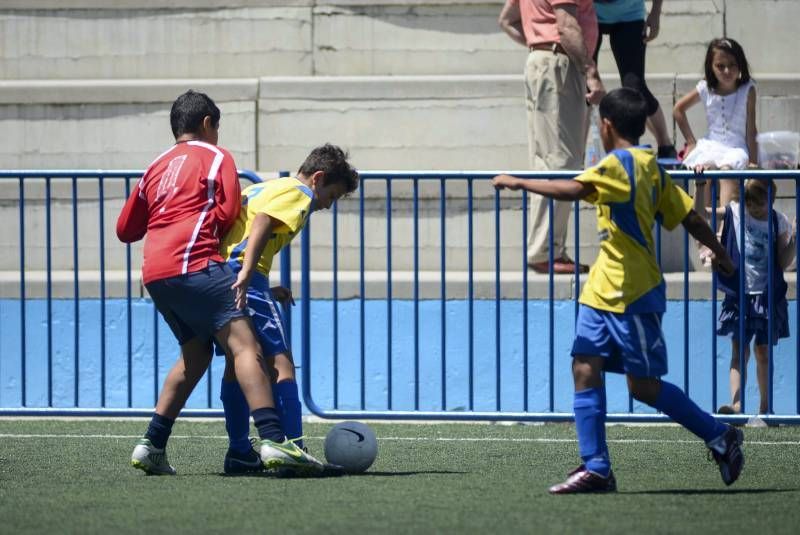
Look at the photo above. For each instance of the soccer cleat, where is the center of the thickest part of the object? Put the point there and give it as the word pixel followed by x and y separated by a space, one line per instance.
pixel 582 480
pixel 287 455
pixel 731 459
pixel 243 463
pixel 152 460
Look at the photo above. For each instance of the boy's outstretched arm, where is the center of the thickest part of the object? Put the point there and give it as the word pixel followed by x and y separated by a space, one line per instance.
pixel 699 229
pixel 560 190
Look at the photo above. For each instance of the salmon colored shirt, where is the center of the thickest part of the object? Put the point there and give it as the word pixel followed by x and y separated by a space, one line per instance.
pixel 539 21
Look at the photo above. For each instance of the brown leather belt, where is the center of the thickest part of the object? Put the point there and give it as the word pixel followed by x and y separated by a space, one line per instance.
pixel 555 48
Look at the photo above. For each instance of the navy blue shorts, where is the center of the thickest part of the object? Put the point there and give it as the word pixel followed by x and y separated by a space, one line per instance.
pixel 267 318
pixel 630 343
pixel 197 304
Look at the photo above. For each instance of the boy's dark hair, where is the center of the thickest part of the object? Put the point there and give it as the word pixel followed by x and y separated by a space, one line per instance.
pixel 333 162
pixel 756 190
pixel 626 109
pixel 733 48
pixel 188 112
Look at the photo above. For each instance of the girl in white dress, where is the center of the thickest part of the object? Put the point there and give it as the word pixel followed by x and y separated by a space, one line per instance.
pixel 729 98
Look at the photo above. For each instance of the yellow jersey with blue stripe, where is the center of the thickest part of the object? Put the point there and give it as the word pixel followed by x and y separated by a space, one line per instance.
pixel 632 193
pixel 285 200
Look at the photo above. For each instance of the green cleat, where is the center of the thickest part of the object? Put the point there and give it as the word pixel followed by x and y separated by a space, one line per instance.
pixel 287 456
pixel 152 460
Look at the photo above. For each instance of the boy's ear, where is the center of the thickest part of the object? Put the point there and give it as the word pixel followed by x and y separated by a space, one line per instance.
pixel 317 178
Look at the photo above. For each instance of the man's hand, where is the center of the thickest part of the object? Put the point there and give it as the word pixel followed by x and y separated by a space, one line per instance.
pixel 240 289
pixel 594 90
pixel 283 295
pixel 506 182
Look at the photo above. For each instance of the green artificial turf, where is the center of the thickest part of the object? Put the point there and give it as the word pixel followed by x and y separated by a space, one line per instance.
pixel 60 476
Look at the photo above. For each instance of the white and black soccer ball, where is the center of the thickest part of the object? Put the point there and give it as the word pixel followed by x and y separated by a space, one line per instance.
pixel 351 445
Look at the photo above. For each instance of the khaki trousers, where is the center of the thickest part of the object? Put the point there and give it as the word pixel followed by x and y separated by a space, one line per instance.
pixel 557 117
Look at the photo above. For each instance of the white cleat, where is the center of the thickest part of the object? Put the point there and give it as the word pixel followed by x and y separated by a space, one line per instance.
pixel 152 460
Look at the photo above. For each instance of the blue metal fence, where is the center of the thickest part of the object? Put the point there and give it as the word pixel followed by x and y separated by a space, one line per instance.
pixel 73 178
pixel 323 384
pixel 388 178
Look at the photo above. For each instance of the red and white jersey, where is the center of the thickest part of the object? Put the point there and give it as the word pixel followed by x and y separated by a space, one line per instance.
pixel 184 204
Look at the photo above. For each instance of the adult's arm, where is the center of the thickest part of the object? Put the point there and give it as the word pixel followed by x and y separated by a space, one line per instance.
pixel 653 22
pixel 511 22
pixel 571 37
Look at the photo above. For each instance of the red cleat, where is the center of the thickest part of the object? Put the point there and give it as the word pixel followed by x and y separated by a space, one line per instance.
pixel 582 480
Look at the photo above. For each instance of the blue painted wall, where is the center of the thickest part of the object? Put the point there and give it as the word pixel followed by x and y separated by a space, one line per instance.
pixel 151 337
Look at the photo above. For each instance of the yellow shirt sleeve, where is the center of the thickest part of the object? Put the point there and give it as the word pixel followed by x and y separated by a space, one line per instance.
pixel 289 206
pixel 674 204
pixel 610 181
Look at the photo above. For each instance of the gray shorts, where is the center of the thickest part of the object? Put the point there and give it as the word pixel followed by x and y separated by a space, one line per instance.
pixel 197 304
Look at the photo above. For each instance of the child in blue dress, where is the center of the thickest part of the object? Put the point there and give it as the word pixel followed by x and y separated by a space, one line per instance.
pixel 759 215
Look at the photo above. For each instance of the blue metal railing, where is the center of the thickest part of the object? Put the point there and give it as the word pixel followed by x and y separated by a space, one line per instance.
pixel 469 413
pixel 72 178
pixel 420 347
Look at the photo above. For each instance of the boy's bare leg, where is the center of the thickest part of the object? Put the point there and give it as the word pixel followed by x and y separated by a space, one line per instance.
pixel 183 377
pixel 239 341
pixel 149 454
pixel 587 372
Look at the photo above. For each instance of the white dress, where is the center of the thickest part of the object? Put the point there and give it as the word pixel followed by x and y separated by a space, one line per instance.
pixel 725 145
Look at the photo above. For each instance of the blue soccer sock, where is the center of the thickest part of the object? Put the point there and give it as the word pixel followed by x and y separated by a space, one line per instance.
pixel 677 405
pixel 268 424
pixel 590 424
pixel 287 403
pixel 159 430
pixel 237 416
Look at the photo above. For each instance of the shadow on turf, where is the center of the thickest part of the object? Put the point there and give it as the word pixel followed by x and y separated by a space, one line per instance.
pixel 326 476
pixel 689 492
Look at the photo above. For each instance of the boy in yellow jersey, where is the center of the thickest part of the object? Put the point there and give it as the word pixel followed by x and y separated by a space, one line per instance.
pixel 619 321
pixel 272 214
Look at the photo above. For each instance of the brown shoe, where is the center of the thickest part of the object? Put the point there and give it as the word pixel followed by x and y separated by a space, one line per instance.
pixel 727 409
pixel 582 480
pixel 561 266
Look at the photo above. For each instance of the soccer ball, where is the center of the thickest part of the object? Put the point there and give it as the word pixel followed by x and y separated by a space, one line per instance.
pixel 351 445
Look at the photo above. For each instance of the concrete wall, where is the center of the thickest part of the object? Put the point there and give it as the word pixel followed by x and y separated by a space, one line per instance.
pixel 112 124
pixel 397 122
pixel 63 39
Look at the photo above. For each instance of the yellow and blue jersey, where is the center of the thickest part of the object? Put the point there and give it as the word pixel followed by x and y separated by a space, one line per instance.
pixel 285 200
pixel 632 194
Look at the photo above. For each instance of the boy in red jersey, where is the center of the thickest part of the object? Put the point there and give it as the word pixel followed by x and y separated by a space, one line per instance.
pixel 185 202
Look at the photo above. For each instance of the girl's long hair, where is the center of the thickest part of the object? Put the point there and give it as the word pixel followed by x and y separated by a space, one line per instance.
pixel 733 48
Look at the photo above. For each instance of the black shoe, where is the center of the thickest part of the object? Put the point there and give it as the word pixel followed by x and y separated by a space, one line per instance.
pixel 667 151
pixel 243 463
pixel 582 481
pixel 731 461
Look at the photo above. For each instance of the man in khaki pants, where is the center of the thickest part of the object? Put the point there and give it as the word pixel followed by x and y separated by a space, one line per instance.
pixel 560 78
